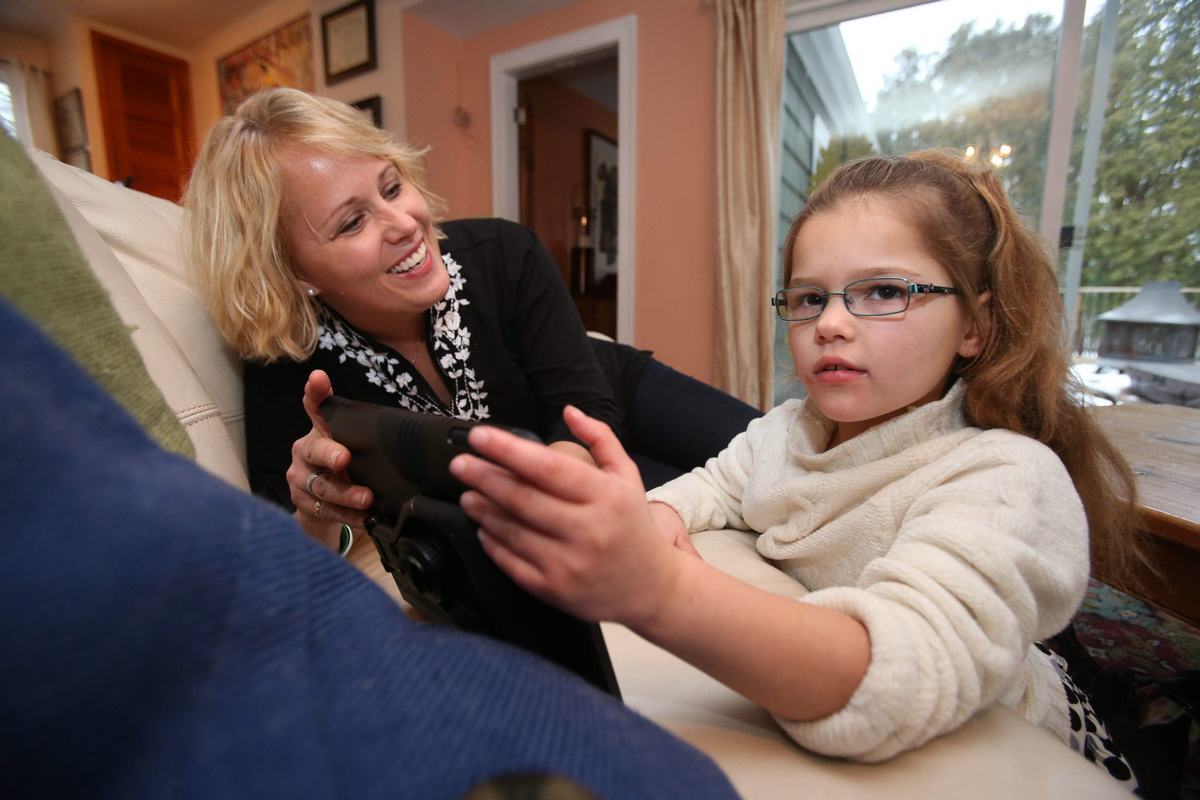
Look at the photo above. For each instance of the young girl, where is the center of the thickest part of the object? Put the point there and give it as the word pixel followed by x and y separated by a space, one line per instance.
pixel 934 491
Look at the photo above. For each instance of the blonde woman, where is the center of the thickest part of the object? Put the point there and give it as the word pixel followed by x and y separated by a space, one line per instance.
pixel 316 246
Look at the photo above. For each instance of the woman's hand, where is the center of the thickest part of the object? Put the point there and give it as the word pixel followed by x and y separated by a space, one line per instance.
pixel 323 495
pixel 578 536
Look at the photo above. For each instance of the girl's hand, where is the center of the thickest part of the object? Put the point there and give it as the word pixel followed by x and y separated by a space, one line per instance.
pixel 578 536
pixel 323 495
pixel 584 538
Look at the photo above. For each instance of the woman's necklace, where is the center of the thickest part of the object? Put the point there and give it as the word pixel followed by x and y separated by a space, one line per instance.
pixel 411 350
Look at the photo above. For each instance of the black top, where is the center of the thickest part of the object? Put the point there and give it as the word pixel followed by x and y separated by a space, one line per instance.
pixel 506 339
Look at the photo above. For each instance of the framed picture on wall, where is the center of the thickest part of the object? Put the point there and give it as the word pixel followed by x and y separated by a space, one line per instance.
pixel 601 153
pixel 348 40
pixel 68 119
pixel 373 106
pixel 284 57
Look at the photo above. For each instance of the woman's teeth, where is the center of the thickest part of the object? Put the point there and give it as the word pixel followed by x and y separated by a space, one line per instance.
pixel 407 264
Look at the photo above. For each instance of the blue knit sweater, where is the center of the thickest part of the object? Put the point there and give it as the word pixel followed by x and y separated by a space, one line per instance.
pixel 165 635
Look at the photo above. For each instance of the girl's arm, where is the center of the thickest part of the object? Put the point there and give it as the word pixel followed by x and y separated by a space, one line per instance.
pixel 584 539
pixel 799 661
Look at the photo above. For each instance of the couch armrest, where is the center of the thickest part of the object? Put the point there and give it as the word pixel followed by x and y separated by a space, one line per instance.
pixel 147 287
pixel 998 754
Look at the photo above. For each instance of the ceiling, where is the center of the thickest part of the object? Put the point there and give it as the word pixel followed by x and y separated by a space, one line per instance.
pixel 181 24
pixel 184 24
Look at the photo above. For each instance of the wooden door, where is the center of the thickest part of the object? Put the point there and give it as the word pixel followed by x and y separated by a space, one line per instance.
pixel 146 108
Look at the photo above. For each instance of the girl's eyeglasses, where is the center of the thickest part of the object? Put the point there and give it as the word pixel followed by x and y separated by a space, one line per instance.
pixel 870 297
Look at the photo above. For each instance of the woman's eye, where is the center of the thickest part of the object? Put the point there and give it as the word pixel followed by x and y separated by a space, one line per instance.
pixel 391 191
pixel 351 225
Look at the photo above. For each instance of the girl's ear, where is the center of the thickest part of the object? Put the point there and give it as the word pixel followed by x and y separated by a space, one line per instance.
pixel 976 332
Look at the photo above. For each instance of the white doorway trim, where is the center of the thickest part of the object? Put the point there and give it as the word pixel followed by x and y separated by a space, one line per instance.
pixel 507 69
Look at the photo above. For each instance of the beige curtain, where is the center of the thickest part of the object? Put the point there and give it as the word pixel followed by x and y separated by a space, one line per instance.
pixel 750 42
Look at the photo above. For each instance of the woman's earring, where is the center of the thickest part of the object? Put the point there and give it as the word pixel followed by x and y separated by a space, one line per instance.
pixel 312 292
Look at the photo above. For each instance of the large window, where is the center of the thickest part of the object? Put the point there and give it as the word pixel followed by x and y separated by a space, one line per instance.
pixel 981 78
pixel 1133 201
pixel 953 73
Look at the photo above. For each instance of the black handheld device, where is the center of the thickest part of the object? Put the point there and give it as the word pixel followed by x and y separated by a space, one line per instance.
pixel 430 546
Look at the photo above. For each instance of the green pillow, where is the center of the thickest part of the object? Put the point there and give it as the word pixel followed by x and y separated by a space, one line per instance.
pixel 45 276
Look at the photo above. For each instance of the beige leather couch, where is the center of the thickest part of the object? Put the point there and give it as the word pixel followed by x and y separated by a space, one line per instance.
pixel 131 242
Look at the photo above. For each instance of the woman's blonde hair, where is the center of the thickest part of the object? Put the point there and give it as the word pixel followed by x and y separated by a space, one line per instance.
pixel 235 201
pixel 1021 379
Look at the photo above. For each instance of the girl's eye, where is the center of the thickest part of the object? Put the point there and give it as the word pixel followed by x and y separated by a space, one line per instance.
pixel 884 291
pixel 808 298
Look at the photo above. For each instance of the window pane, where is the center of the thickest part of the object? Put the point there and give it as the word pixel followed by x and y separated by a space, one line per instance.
pixel 1139 218
pixel 953 73
pixel 7 119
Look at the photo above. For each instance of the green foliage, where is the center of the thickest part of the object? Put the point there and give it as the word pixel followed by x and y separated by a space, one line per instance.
pixel 1145 213
pixel 987 89
pixel 838 151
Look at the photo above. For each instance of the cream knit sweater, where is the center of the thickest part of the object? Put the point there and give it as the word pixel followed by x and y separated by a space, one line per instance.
pixel 956 547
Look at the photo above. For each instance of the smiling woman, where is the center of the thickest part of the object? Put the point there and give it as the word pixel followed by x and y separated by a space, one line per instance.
pixel 361 234
pixel 318 249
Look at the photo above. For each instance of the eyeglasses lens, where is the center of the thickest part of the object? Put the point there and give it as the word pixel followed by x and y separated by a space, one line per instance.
pixel 873 297
pixel 877 297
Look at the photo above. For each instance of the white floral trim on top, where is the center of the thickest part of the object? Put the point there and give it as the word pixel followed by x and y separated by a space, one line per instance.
pixel 451 350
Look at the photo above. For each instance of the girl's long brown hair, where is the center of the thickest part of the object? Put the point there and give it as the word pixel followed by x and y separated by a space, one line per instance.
pixel 1021 378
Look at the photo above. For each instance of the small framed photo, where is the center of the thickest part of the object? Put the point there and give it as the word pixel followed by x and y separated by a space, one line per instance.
pixel 68 118
pixel 601 159
pixel 374 108
pixel 348 40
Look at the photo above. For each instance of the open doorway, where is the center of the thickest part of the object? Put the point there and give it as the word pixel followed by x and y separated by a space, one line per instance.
pixel 573 59
pixel 568 145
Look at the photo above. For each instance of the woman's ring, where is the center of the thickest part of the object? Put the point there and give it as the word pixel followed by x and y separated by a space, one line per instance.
pixel 316 512
pixel 308 484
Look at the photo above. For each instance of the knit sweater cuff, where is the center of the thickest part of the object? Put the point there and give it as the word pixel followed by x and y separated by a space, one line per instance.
pixel 683 494
pixel 878 722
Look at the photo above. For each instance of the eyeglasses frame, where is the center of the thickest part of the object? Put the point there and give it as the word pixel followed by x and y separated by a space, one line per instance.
pixel 779 303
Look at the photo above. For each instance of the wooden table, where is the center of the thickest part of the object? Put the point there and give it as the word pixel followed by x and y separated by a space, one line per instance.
pixel 1162 444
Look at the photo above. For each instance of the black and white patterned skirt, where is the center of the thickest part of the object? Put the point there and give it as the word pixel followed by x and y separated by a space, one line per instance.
pixel 1088 735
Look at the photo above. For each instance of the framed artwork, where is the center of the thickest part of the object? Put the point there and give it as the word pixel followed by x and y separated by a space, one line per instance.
pixel 348 40
pixel 373 106
pixel 284 57
pixel 601 159
pixel 68 119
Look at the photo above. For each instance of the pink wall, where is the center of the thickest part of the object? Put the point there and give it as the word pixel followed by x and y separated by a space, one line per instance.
pixel 676 150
